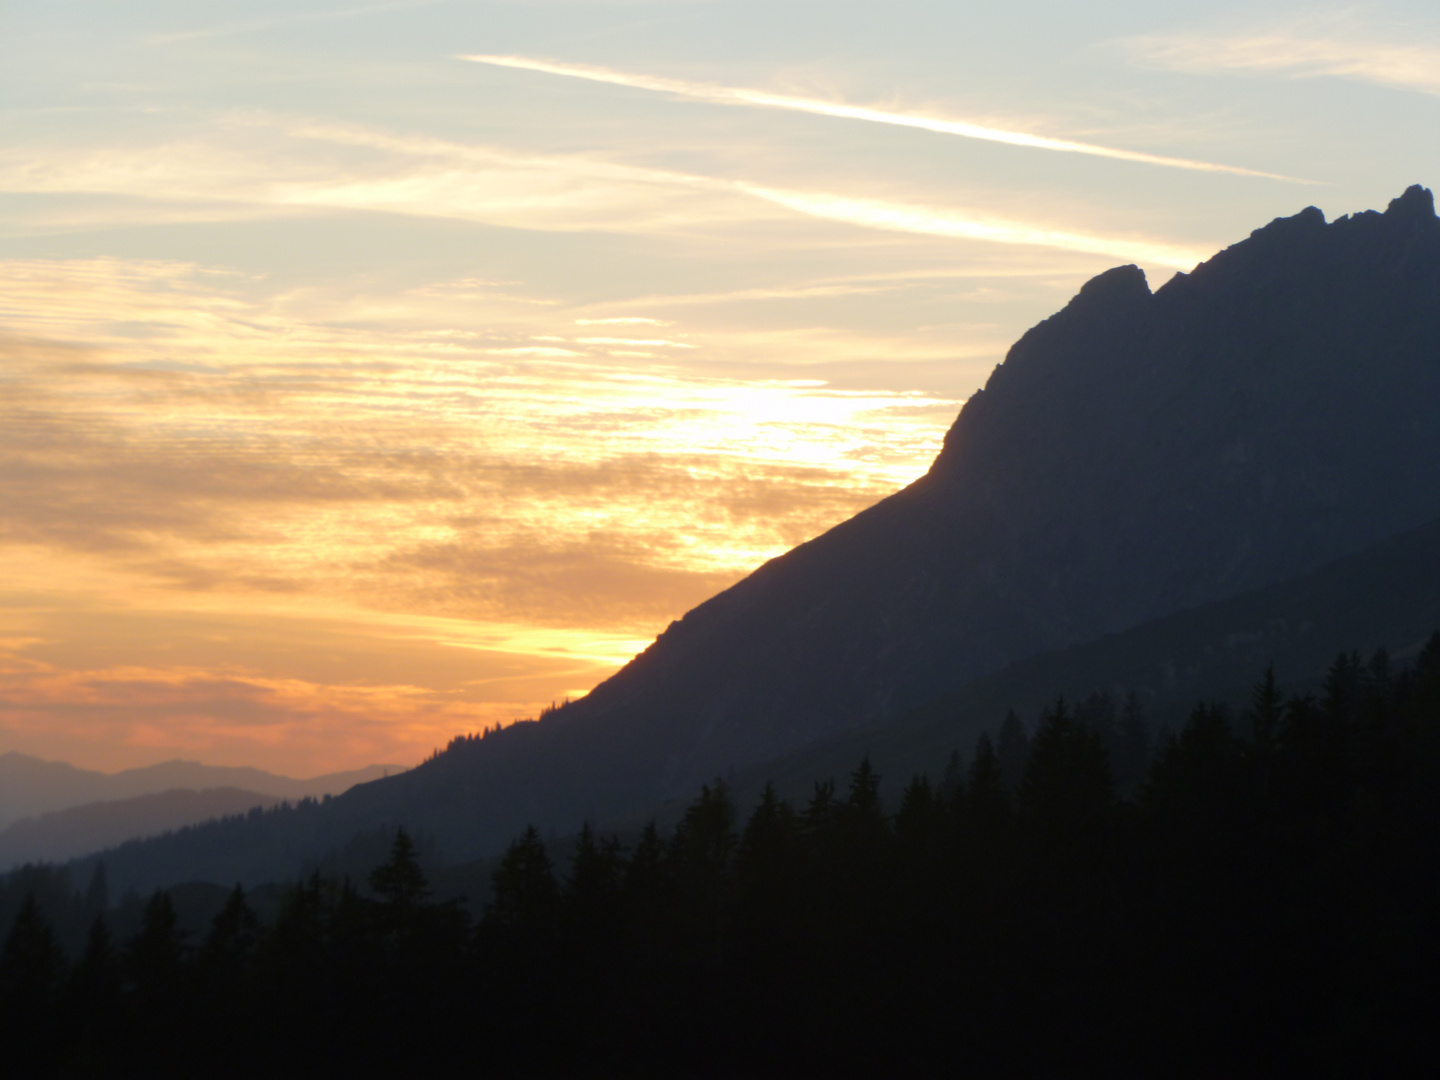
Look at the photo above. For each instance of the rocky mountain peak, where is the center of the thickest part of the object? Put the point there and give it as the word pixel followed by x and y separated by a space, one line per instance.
pixel 1416 204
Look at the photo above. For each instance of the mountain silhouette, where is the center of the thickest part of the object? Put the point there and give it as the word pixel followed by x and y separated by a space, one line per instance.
pixel 1137 454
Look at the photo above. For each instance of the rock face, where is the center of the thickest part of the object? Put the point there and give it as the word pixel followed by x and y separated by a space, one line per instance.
pixel 1135 455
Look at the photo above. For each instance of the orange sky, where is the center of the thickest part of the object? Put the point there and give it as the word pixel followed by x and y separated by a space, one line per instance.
pixel 247 529
pixel 355 394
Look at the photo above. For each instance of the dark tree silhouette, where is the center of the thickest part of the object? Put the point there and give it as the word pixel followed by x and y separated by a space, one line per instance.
pixel 400 883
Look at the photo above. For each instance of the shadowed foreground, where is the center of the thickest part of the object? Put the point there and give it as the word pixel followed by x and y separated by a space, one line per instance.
pixel 1263 904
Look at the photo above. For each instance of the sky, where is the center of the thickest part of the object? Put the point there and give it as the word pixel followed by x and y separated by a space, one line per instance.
pixel 376 373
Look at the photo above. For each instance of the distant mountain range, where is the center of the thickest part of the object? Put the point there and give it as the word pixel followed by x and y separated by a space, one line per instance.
pixel 1137 455
pixel 79 830
pixel 31 785
pixel 50 810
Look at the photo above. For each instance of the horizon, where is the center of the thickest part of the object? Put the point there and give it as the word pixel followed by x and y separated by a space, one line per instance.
pixel 379 374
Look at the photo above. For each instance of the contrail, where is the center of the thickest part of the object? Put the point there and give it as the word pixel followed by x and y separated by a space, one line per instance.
pixel 734 95
pixel 926 221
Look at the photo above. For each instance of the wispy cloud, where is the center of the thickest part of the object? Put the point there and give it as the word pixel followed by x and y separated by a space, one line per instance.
pixel 732 95
pixel 654 342
pixel 1341 45
pixel 934 222
pixel 622 320
pixel 554 192
pixel 188 477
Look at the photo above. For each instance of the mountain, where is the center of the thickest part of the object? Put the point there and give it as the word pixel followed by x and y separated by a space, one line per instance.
pixel 30 786
pixel 1137 454
pixel 79 830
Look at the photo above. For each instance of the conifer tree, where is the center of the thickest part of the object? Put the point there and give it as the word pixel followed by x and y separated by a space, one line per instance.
pixel 1266 709
pixel 230 945
pixel 699 858
pixel 987 801
pixel 952 781
pixel 768 849
pixel 1200 781
pixel 590 897
pixel 1130 757
pixel 645 874
pixel 818 818
pixel 767 866
pixel 524 895
pixel 860 817
pixel 92 1000
pixel 1012 751
pixel 1068 792
pixel 31 968
pixel 400 883
pixel 152 961
pixel 921 816
pixel 1343 683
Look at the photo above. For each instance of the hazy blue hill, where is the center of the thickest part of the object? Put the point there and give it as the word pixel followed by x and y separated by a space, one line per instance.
pixel 79 830
pixel 1138 454
pixel 30 786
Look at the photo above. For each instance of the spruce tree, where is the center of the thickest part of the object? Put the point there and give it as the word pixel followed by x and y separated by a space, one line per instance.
pixel 32 966
pixel 524 894
pixel 400 883
pixel 1012 751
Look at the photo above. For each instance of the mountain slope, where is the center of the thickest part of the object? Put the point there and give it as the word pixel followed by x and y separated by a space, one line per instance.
pixel 1387 596
pixel 1136 454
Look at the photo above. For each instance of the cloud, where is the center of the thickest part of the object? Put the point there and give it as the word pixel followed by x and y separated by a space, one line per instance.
pixel 1337 45
pixel 191 442
pixel 623 320
pixel 433 178
pixel 730 95
pixel 132 715
pixel 928 221
pixel 655 342
pixel 606 578
pixel 251 165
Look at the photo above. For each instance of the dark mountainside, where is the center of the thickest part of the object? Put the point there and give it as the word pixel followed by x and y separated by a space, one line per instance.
pixel 1134 456
pixel 1385 597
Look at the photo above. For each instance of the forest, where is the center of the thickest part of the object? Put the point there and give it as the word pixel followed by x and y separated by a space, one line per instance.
pixel 1256 894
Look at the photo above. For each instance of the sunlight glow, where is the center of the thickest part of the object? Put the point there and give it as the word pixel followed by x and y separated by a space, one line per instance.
pixel 487 519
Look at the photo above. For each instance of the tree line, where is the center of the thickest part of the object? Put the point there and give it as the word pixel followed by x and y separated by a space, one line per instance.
pixel 1259 894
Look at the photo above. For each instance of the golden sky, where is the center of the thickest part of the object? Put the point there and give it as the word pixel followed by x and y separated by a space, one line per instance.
pixel 370 374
